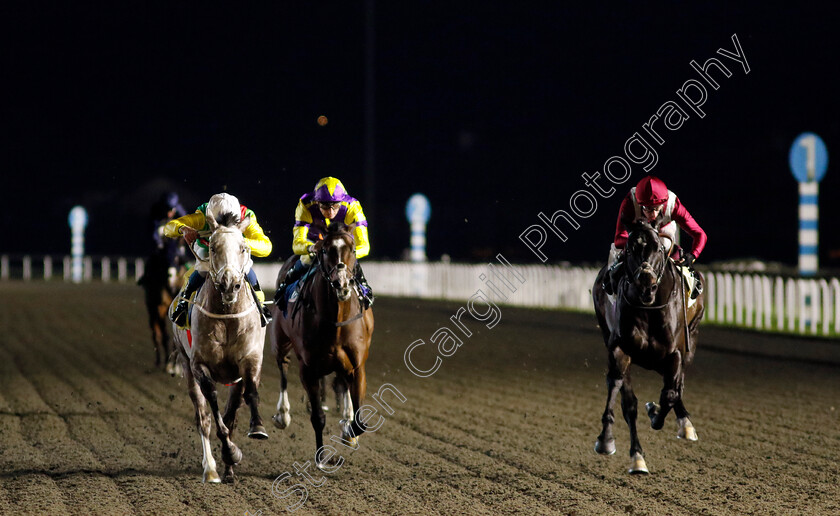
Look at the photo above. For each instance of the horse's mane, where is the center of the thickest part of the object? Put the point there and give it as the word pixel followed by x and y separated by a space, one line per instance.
pixel 228 219
pixel 640 225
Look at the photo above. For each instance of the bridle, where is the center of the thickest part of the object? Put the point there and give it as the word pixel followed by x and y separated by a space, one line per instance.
pixel 334 284
pixel 646 267
pixel 216 273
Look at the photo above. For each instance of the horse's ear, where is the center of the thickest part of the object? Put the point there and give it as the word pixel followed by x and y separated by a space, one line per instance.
pixel 243 225
pixel 211 222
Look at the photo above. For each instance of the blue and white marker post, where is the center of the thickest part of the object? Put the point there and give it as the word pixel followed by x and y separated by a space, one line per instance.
pixel 808 162
pixel 78 220
pixel 418 210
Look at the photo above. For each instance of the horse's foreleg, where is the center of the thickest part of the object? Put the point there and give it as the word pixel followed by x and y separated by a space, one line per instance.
pixel 605 445
pixel 202 421
pixel 312 384
pixel 251 378
pixel 630 408
pixel 231 454
pixel 283 416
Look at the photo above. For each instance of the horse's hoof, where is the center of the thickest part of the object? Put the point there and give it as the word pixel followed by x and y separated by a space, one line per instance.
pixel 638 465
pixel 230 478
pixel 653 411
pixel 258 432
pixel 211 477
pixel 605 447
pixel 233 457
pixel 281 421
pixel 686 430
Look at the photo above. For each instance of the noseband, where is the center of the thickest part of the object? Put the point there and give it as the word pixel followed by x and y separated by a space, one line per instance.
pixel 646 267
pixel 217 273
pixel 327 274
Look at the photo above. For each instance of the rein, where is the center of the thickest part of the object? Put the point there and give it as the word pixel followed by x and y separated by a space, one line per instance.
pixel 220 316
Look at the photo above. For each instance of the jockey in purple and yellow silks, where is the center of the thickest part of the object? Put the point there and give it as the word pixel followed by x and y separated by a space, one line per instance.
pixel 329 202
pixel 189 225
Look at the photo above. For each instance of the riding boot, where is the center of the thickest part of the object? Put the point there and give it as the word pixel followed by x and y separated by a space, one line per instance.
pixel 367 291
pixel 259 297
pixel 611 278
pixel 179 315
pixel 292 275
pixel 698 285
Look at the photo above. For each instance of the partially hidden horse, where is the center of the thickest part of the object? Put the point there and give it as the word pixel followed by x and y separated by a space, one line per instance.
pixel 224 344
pixel 650 322
pixel 330 331
pixel 161 281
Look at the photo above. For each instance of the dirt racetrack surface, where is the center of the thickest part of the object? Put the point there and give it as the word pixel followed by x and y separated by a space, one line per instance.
pixel 506 425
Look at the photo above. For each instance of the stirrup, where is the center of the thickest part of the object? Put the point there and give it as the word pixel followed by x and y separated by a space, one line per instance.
pixel 265 316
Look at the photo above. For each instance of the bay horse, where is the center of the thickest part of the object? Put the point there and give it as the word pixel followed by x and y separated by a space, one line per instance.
pixel 649 323
pixel 161 279
pixel 224 344
pixel 330 331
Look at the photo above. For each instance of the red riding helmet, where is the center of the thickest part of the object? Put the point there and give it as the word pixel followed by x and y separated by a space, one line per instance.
pixel 651 191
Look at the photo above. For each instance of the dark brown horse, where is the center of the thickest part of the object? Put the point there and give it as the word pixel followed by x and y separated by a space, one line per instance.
pixel 161 281
pixel 329 331
pixel 650 322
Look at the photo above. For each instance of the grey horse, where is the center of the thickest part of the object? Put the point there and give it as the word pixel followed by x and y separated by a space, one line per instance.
pixel 224 344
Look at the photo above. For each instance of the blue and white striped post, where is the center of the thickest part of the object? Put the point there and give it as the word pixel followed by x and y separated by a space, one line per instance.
pixel 78 221
pixel 808 162
pixel 809 215
pixel 418 210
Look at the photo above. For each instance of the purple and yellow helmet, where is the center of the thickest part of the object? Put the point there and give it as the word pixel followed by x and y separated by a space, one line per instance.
pixel 330 189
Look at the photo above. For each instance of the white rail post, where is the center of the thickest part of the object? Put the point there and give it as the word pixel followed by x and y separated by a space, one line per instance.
pixel 139 268
pixel 122 269
pixel 779 297
pixel 106 269
pixel 825 294
pixel 88 268
pixel 27 268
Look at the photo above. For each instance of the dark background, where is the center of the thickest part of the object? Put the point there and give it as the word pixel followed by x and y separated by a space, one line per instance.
pixel 492 109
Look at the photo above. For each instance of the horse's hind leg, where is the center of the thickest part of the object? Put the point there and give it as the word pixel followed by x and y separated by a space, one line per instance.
pixel 671 391
pixel 251 378
pixel 202 421
pixel 283 416
pixel 233 403
pixel 357 381
pixel 231 454
pixel 344 403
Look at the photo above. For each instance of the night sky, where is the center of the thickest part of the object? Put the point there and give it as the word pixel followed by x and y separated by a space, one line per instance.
pixel 492 109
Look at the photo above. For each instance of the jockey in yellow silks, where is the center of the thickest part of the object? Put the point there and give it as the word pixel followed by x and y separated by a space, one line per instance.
pixel 189 225
pixel 329 202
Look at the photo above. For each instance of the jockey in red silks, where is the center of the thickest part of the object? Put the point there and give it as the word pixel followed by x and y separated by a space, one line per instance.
pixel 651 200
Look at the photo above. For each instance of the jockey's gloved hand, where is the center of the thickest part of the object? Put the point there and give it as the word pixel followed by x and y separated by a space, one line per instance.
pixel 311 251
pixel 688 260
